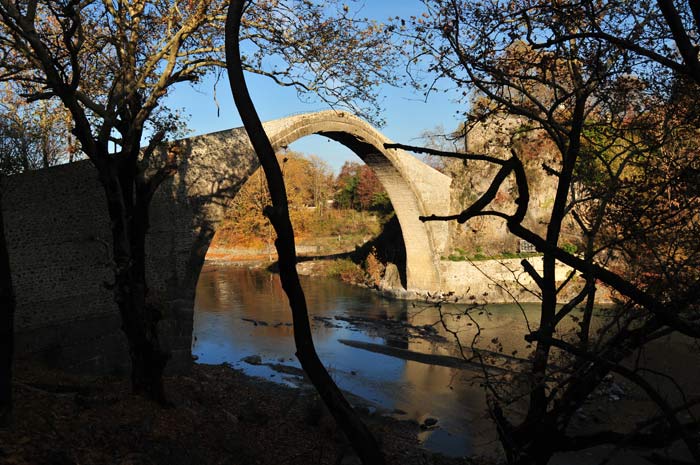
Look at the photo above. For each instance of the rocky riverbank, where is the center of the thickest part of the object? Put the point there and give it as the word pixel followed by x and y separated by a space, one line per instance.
pixel 486 281
pixel 219 416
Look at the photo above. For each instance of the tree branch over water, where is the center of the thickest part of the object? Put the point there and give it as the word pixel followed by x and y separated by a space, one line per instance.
pixel 360 437
pixel 599 109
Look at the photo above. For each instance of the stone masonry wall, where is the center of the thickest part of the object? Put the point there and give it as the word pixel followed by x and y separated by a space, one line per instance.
pixel 59 242
pixel 60 251
pixel 497 281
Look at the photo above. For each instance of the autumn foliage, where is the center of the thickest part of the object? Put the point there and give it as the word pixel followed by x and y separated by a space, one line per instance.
pixel 320 204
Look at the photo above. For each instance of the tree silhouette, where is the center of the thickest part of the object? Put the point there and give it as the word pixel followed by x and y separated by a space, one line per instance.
pixel 360 437
pixel 612 123
pixel 110 64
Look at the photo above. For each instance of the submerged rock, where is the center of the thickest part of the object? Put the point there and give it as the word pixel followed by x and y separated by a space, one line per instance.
pixel 252 359
pixel 429 423
pixel 392 278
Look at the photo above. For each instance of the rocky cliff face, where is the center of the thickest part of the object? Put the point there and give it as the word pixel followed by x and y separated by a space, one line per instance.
pixel 497 137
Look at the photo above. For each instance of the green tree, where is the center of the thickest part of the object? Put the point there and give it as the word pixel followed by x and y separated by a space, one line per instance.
pixel 359 188
pixel 346 185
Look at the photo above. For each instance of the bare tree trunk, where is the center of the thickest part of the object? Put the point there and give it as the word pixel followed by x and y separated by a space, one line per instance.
pixel 7 313
pixel 356 431
pixel 150 362
pixel 128 212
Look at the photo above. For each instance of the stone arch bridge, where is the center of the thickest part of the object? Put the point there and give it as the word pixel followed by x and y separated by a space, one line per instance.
pixel 58 233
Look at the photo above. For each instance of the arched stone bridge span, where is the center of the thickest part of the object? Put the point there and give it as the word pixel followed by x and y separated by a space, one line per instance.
pixel 59 237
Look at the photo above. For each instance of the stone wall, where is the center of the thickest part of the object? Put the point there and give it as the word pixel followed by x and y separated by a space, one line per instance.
pixel 497 281
pixel 60 251
pixel 56 230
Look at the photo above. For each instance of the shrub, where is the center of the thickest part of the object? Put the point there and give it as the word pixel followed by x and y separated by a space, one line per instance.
pixel 375 268
pixel 569 248
pixel 347 271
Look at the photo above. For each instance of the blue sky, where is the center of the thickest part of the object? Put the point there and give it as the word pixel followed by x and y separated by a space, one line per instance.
pixel 406 113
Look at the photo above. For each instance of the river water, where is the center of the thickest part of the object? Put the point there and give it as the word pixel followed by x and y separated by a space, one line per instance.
pixel 241 312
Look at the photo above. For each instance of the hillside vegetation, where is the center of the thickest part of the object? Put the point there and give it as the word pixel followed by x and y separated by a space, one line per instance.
pixel 331 214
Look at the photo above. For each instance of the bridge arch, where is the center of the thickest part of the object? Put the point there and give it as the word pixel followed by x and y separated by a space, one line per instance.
pixel 394 170
pixel 58 233
pixel 216 165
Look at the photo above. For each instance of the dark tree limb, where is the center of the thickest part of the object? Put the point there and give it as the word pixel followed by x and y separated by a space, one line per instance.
pixel 573 303
pixel 148 187
pixel 7 312
pixel 442 153
pixel 357 432
pixel 665 312
pixel 542 245
pixel 620 42
pixel 678 430
pixel 695 8
pixel 651 440
pixel 511 165
pixel 529 269
pixel 686 48
pixel 658 459
pixel 568 279
pixel 460 218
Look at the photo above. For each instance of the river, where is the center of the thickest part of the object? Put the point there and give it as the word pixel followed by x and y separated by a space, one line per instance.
pixel 241 312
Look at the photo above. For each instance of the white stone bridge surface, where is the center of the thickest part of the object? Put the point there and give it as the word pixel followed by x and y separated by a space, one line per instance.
pixel 60 244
